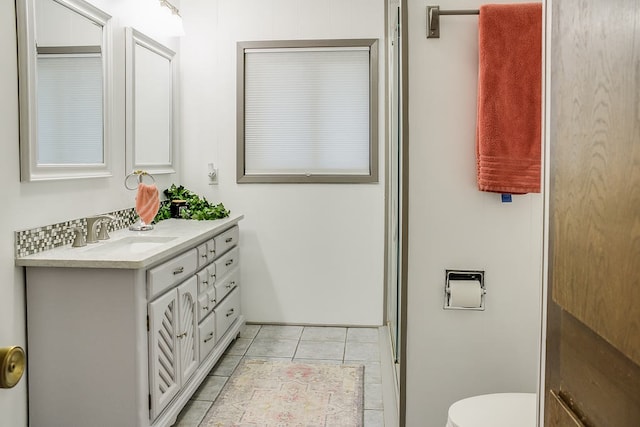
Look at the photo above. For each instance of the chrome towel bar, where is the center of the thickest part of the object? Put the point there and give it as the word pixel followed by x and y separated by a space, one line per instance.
pixel 433 19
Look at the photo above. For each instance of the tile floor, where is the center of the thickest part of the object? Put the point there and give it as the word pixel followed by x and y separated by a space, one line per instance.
pixel 298 343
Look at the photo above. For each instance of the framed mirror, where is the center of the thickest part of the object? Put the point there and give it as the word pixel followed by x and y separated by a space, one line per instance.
pixel 150 78
pixel 65 96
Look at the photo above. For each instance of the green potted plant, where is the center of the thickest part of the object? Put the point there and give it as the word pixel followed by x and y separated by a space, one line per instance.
pixel 194 206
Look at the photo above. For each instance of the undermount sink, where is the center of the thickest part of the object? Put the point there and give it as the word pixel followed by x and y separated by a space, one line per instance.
pixel 132 244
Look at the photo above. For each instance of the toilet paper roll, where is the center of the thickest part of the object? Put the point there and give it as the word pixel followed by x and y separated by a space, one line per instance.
pixel 465 293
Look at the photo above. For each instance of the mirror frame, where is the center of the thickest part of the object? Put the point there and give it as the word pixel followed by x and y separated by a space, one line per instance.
pixel 135 38
pixel 30 170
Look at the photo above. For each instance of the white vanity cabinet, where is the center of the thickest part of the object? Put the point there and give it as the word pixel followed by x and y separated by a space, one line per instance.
pixel 173 343
pixel 125 338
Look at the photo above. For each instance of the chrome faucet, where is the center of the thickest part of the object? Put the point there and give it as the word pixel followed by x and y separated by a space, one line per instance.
pixel 92 227
pixel 78 240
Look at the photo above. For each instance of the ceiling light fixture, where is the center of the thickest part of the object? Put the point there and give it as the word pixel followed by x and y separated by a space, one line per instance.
pixel 171 7
pixel 172 20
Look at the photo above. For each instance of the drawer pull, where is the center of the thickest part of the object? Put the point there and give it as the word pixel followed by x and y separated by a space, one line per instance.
pixel 230 285
pixel 204 256
pixel 212 251
pixel 178 270
pixel 204 282
pixel 209 337
pixel 228 263
pixel 205 307
pixel 228 240
pixel 213 301
pixel 182 335
pixel 230 312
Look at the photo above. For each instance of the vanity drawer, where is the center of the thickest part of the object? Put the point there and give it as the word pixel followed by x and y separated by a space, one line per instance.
pixel 204 307
pixel 227 240
pixel 204 254
pixel 206 278
pixel 171 272
pixel 227 283
pixel 207 333
pixel 227 312
pixel 211 249
pixel 203 280
pixel 227 262
pixel 206 302
pixel 211 294
pixel 211 269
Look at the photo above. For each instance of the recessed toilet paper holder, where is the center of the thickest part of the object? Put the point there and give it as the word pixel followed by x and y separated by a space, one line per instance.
pixel 471 276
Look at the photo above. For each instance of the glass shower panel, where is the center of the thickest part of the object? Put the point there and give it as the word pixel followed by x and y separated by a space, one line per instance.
pixel 395 173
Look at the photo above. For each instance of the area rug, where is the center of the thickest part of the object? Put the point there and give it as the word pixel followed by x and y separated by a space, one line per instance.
pixel 268 393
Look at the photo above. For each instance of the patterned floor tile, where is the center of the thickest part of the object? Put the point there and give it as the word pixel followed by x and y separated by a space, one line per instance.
pixel 309 344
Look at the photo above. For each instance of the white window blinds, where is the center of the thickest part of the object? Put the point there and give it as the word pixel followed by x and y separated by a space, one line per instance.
pixel 70 129
pixel 306 111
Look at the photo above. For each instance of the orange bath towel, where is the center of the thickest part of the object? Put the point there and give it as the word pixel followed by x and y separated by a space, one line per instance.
pixel 147 202
pixel 508 144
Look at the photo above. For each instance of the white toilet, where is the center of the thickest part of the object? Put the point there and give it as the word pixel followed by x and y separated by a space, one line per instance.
pixel 494 410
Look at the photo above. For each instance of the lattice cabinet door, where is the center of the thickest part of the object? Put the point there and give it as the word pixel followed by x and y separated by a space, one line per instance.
pixel 164 365
pixel 188 328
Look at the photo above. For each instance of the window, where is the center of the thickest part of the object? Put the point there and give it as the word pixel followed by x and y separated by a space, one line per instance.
pixel 307 111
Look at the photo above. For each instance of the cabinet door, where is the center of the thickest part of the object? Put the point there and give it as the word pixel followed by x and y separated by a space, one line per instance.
pixel 188 328
pixel 164 380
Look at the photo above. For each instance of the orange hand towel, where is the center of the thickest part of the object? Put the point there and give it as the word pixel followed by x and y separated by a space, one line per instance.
pixel 147 202
pixel 508 144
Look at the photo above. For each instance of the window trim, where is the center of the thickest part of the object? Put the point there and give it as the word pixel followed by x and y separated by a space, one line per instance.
pixel 372 177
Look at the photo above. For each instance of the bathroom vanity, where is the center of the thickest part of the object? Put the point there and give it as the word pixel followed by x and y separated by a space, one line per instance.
pixel 122 332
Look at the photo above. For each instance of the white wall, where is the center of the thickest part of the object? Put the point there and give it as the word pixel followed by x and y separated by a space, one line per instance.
pixel 311 253
pixel 28 205
pixel 457 354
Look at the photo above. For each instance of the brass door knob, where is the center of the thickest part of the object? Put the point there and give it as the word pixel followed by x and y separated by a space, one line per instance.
pixel 11 366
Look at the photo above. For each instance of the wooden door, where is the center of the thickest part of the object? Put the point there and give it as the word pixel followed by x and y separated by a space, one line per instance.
pixel 593 334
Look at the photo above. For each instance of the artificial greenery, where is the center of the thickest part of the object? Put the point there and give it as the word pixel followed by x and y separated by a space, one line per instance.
pixel 197 207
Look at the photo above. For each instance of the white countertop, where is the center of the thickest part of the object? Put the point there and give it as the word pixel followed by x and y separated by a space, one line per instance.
pixel 132 249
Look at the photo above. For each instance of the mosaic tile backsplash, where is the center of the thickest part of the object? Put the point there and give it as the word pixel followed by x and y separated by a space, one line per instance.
pixel 29 242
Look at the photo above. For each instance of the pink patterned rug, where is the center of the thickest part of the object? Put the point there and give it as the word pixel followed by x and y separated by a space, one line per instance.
pixel 269 393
